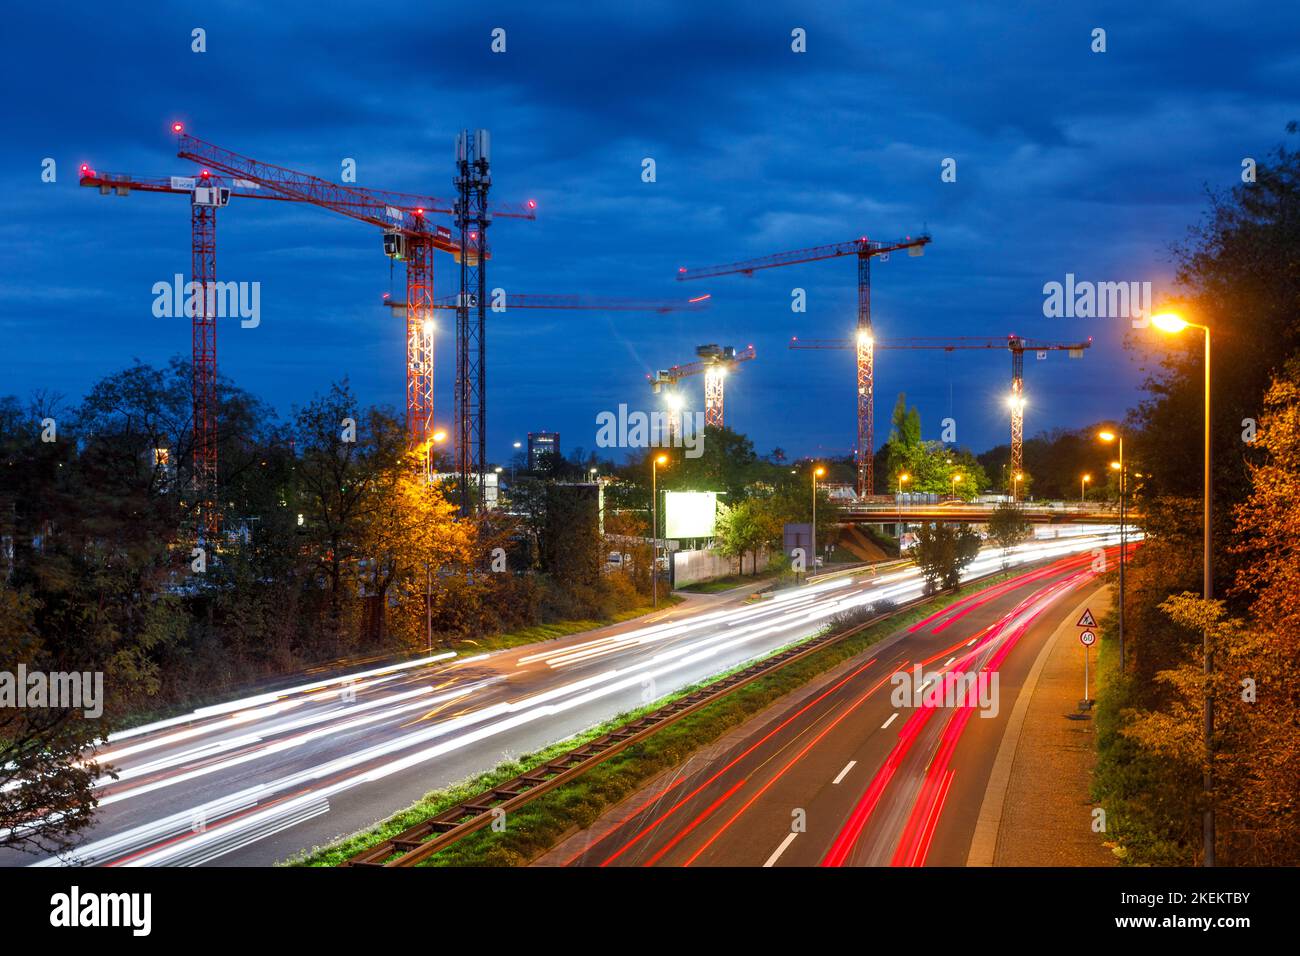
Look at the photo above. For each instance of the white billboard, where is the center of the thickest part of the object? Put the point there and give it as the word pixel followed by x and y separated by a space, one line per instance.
pixel 690 514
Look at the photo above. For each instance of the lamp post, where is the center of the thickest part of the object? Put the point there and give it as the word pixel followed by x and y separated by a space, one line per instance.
pixel 816 473
pixel 517 445
pixel 438 438
pixel 1015 486
pixel 1083 487
pixel 955 480
pixel 1118 437
pixel 655 462
pixel 1172 323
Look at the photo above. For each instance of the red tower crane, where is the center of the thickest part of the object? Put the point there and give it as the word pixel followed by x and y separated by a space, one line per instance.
pixel 402 216
pixel 715 363
pixel 208 192
pixel 864 249
pixel 1013 343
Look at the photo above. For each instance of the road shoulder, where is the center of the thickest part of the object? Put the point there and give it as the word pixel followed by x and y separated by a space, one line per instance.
pixel 1037 810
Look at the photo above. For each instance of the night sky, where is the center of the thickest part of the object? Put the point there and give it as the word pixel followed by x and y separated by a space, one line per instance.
pixel 1068 161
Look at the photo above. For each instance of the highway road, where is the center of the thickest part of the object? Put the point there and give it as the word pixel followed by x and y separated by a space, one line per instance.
pixel 255 780
pixel 887 764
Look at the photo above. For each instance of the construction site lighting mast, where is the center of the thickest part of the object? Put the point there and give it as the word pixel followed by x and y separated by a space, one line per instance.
pixel 473 180
pixel 1015 344
pixel 864 342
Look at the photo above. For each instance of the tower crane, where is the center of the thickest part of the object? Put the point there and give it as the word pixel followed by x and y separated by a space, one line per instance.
pixel 1015 344
pixel 407 233
pixel 864 250
pixel 715 362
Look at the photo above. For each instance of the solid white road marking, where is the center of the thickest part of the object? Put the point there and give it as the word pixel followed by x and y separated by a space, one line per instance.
pixel 892 717
pixel 845 772
pixel 771 860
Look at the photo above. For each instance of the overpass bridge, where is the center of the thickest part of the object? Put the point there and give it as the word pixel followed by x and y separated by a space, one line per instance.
pixel 1051 513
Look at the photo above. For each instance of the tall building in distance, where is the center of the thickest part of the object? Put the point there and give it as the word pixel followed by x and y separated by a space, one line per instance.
pixel 539 444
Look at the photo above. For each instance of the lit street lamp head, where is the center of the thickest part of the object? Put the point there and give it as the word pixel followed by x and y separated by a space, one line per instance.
pixel 1106 436
pixel 1170 322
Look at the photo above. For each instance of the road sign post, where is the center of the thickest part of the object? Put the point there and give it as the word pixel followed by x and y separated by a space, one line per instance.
pixel 1087 639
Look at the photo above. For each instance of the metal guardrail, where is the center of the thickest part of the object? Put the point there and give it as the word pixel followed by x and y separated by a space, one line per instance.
pixel 448 826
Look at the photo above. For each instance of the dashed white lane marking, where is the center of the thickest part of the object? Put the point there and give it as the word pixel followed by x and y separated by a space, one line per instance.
pixel 845 772
pixel 771 860
pixel 892 717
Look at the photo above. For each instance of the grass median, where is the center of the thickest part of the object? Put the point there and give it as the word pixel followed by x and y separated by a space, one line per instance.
pixel 541 824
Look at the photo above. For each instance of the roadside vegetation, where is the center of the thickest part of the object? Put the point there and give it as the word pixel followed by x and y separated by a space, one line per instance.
pixel 1238 274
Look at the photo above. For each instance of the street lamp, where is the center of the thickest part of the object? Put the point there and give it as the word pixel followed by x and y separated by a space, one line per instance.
pixel 902 478
pixel 955 480
pixel 816 473
pixel 1171 323
pixel 1083 487
pixel 1015 485
pixel 437 438
pixel 655 462
pixel 1118 437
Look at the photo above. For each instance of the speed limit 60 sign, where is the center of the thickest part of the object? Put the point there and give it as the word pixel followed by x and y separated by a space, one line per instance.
pixel 1087 638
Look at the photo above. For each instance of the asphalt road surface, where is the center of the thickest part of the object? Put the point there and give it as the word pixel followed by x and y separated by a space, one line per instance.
pixel 258 779
pixel 874 769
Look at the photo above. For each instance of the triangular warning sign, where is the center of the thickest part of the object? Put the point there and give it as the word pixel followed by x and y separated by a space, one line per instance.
pixel 1087 620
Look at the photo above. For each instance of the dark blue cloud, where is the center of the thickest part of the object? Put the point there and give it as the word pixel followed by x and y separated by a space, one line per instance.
pixel 1068 161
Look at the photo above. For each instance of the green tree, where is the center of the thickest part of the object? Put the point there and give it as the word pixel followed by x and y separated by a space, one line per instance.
pixel 1008 525
pixel 743 529
pixel 942 550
